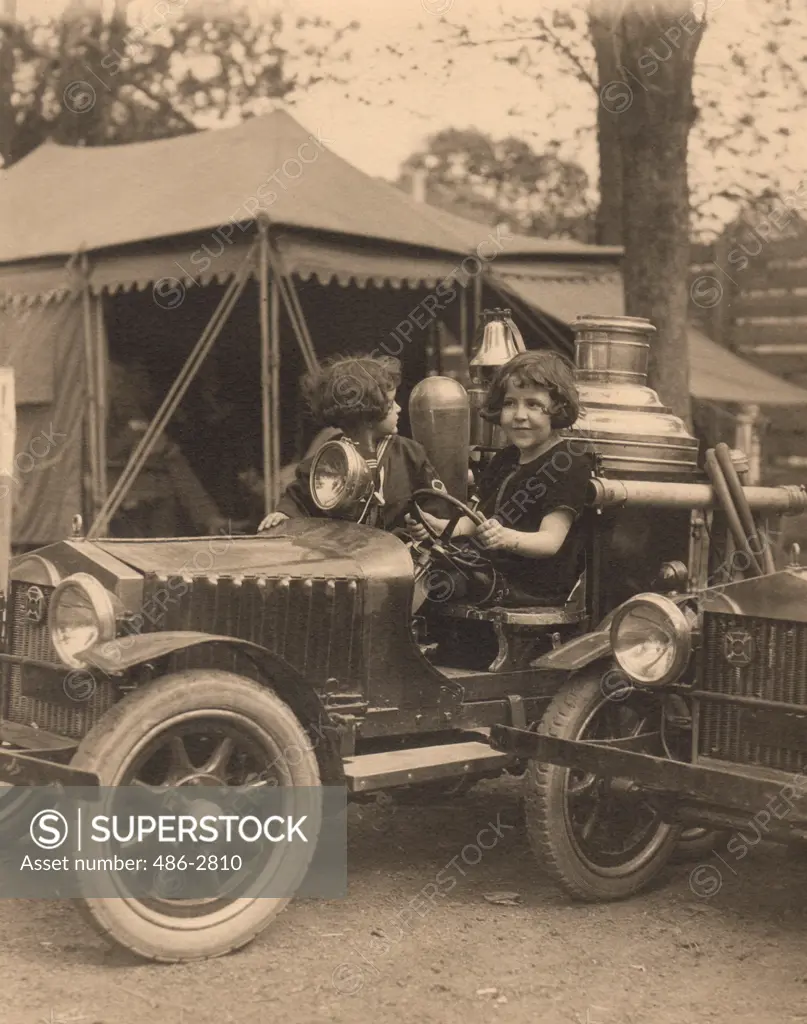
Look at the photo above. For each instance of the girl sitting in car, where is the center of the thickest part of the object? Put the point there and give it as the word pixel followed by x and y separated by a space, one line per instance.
pixel 533 492
pixel 358 396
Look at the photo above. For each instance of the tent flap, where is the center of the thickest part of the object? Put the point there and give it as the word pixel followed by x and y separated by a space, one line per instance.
pixel 29 338
pixel 564 292
pixel 46 483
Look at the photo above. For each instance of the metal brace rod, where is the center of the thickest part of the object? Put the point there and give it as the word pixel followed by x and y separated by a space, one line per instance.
pixel 176 393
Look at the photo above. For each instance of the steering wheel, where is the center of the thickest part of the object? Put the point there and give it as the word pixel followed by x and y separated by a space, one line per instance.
pixel 445 546
pixel 471 563
pixel 432 492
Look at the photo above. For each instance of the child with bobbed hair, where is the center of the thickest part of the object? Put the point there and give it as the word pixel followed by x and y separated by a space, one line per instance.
pixel 357 395
pixel 533 492
pixel 547 370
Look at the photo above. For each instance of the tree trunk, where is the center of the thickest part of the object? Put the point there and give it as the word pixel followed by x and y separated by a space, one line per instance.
pixel 651 44
pixel 611 99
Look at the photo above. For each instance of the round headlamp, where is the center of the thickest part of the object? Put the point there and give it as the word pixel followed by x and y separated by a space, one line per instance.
pixel 339 477
pixel 82 613
pixel 651 639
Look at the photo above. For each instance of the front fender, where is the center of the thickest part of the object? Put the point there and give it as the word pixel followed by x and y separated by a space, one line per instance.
pixel 576 654
pixel 116 657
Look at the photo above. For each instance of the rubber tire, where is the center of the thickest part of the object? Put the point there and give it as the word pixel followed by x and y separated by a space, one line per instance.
pixel 13 807
pixel 544 803
pixel 106 749
pixel 697 846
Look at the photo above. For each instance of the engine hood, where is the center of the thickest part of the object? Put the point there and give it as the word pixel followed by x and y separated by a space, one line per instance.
pixel 300 548
pixel 781 595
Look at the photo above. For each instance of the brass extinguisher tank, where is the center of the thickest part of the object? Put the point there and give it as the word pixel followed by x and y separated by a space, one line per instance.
pixel 497 341
pixel 633 432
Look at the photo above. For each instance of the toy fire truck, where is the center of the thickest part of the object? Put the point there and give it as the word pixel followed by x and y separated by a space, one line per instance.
pixel 206 660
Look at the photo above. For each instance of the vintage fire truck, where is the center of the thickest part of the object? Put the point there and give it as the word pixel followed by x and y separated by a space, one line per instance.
pixel 320 654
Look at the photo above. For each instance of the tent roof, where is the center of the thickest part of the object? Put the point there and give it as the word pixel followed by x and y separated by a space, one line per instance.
pixel 63 198
pixel 721 376
pixel 715 373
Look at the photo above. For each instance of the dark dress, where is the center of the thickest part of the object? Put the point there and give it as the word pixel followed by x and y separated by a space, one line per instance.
pixel 519 497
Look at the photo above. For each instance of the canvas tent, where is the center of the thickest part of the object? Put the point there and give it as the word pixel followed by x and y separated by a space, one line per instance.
pixel 716 374
pixel 256 235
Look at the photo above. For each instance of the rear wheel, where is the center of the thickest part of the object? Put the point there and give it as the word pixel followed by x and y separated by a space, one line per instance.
pixel 597 841
pixel 194 728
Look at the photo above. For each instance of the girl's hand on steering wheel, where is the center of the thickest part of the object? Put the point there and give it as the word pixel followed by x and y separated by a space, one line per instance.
pixel 419 531
pixel 492 535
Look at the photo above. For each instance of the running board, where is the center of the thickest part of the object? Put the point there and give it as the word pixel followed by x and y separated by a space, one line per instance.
pixel 367 772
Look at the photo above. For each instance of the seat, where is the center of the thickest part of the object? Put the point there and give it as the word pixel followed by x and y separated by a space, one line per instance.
pixel 520 630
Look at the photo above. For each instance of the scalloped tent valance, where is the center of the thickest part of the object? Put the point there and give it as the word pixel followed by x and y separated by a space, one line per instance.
pixel 136 201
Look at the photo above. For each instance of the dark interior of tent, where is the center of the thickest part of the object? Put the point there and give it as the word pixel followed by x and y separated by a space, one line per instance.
pixel 218 424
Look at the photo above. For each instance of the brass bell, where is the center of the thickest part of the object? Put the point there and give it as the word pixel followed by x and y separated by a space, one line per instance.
pixel 497 340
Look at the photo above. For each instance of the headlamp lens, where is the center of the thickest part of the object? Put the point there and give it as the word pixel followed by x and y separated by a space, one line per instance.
pixel 651 640
pixel 329 477
pixel 81 614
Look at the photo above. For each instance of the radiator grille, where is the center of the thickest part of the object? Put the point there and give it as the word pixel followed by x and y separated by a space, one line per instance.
pixel 314 624
pixel 32 640
pixel 765 659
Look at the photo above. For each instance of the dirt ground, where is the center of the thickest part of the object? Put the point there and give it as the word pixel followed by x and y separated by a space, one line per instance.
pixel 732 950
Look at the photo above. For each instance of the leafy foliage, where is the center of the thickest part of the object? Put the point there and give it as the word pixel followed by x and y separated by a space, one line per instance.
pixel 750 85
pixel 505 181
pixel 94 79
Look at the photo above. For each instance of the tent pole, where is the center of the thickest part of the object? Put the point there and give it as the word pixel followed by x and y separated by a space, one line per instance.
pixel 102 354
pixel 275 364
pixel 8 437
pixel 464 338
pixel 93 430
pixel 269 425
pixel 175 394
pixel 294 309
pixel 746 438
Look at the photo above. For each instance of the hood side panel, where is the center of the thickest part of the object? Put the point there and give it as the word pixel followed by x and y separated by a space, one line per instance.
pixel 314 624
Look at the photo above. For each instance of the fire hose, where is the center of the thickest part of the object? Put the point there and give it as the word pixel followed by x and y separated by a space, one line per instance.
pixel 723 493
pixel 756 539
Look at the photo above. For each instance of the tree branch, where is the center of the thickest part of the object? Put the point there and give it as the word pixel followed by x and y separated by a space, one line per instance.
pixel 561 47
pixel 164 105
pixel 548 37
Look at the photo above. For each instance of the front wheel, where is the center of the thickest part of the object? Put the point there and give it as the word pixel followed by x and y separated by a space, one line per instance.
pixel 194 728
pixel 696 843
pixel 596 841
